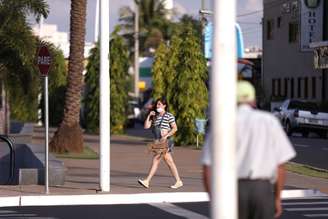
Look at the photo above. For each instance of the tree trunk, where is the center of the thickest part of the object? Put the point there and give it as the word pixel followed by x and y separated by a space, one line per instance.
pixel 69 136
pixel 6 113
pixel 2 109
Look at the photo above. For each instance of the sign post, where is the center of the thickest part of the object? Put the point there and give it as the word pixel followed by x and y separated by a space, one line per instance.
pixel 44 62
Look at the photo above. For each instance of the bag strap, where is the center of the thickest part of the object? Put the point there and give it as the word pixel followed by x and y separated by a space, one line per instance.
pixel 160 124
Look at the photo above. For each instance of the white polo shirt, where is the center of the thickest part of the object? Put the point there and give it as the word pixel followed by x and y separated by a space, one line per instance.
pixel 262 145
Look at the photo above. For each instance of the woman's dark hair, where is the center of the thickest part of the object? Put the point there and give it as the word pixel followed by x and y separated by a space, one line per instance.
pixel 163 101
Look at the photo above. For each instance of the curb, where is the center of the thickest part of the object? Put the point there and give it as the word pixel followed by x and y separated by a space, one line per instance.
pixel 302 193
pixel 121 199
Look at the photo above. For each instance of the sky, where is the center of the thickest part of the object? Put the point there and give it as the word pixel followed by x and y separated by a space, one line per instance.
pixel 59 14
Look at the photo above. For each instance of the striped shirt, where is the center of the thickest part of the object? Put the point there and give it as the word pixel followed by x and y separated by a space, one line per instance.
pixel 164 121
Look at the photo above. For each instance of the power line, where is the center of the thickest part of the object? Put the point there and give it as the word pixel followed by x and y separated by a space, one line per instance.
pixel 252 32
pixel 250 13
pixel 246 23
pixel 268 5
pixel 250 29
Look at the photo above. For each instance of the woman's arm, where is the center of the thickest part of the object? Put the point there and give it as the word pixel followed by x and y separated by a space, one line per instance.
pixel 148 121
pixel 173 130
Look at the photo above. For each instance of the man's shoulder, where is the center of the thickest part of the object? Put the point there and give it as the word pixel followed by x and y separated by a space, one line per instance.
pixel 264 115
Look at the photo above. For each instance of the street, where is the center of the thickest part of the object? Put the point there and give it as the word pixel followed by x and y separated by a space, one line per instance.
pixel 311 151
pixel 293 209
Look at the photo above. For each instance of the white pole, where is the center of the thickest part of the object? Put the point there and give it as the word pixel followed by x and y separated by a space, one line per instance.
pixel 104 98
pixel 41 27
pixel 46 125
pixel 136 50
pixel 40 94
pixel 223 99
pixel 97 22
pixel 39 110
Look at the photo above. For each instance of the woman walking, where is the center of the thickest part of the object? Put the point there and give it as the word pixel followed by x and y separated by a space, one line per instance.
pixel 164 127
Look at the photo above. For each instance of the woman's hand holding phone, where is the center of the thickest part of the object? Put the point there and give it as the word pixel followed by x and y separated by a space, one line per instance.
pixel 152 113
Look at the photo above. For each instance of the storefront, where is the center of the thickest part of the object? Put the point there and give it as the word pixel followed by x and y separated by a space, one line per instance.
pixel 320 54
pixel 320 62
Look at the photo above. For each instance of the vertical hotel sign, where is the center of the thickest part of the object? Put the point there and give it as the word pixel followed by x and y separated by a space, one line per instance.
pixel 311 23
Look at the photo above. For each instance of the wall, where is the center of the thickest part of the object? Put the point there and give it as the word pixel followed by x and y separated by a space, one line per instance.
pixel 284 60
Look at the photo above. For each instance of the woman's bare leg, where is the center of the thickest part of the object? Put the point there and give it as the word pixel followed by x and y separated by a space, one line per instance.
pixel 154 167
pixel 173 168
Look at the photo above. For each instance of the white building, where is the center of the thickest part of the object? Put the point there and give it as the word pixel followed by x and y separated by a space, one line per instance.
pixel 50 33
pixel 168 5
pixel 289 28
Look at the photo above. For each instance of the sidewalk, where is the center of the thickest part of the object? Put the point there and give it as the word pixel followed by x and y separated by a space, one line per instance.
pixel 129 161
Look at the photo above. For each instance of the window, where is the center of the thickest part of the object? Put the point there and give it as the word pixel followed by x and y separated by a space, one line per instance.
pixel 293 32
pixel 302 105
pixel 279 22
pixel 314 87
pixel 270 26
pixel 292 88
pixel 299 85
pixel 286 87
pixel 306 88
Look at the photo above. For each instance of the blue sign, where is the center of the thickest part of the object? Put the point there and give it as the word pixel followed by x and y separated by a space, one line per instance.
pixel 200 125
pixel 208 35
pixel 240 42
pixel 208 41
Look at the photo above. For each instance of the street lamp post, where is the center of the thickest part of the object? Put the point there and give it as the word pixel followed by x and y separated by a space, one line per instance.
pixel 325 37
pixel 223 111
pixel 202 20
pixel 104 98
pixel 96 33
pixel 136 51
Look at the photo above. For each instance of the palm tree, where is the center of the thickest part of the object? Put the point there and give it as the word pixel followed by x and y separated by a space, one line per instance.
pixel 154 27
pixel 16 39
pixel 68 137
pixel 17 51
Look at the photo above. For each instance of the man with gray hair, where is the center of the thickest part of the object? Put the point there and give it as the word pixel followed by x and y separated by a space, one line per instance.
pixel 262 150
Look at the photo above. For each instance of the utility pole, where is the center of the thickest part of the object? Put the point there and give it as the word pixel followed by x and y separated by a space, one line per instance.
pixel 104 98
pixel 202 16
pixel 96 33
pixel 136 50
pixel 202 21
pixel 223 111
pixel 203 5
pixel 325 38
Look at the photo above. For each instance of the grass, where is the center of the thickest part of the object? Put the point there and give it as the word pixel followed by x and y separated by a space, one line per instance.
pixel 307 170
pixel 87 154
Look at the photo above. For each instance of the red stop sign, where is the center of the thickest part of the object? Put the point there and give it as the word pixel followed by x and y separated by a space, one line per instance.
pixel 44 60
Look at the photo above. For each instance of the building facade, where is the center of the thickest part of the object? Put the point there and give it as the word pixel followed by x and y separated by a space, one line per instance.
pixel 289 27
pixel 50 33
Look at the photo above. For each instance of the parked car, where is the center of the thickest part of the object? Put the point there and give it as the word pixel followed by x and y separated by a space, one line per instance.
pixel 133 113
pixel 302 116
